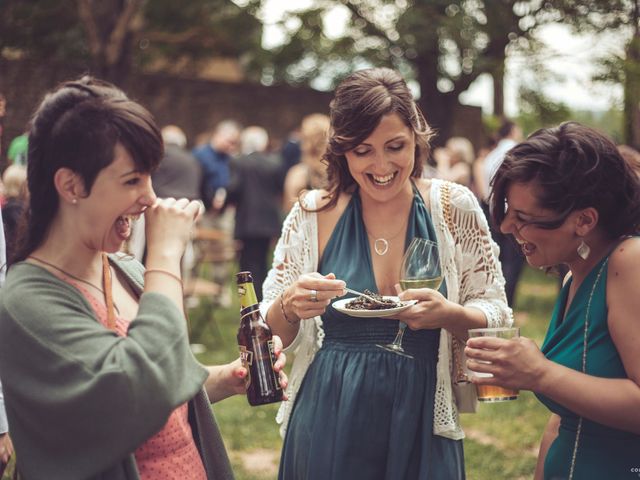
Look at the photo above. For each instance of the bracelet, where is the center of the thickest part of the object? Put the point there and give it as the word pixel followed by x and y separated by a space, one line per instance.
pixel 166 272
pixel 284 314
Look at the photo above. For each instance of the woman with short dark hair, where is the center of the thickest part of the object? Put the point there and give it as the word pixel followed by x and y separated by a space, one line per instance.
pixel 568 197
pixel 98 376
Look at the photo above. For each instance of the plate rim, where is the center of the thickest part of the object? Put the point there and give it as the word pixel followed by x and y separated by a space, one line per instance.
pixel 372 313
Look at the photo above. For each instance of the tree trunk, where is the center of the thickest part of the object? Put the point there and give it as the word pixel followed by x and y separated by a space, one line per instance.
pixel 436 106
pixel 498 89
pixel 108 25
pixel 632 85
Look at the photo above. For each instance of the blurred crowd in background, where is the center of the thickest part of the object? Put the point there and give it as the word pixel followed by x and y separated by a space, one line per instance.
pixel 248 182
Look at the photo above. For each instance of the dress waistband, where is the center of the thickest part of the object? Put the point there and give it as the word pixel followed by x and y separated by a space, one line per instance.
pixel 359 334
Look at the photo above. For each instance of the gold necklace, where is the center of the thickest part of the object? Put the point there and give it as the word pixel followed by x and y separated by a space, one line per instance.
pixel 381 244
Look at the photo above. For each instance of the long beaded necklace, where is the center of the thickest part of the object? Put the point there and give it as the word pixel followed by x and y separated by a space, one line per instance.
pixel 106 278
pixel 585 338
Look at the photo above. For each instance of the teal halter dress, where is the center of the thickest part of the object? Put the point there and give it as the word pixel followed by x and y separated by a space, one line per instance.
pixel 603 452
pixel 363 412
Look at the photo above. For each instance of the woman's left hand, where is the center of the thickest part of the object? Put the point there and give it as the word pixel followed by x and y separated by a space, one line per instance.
pixel 516 363
pixel 227 380
pixel 431 311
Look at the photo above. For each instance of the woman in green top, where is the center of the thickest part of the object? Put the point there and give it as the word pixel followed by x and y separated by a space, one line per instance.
pixel 568 197
pixel 81 398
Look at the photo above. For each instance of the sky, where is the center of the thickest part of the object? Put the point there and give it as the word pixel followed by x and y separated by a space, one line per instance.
pixel 570 59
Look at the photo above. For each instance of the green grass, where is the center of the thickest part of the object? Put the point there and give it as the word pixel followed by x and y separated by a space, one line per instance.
pixel 502 438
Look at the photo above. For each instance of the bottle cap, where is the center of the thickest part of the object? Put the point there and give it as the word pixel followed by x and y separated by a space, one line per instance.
pixel 244 277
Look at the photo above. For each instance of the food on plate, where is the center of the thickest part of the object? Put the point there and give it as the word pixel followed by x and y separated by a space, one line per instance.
pixel 363 303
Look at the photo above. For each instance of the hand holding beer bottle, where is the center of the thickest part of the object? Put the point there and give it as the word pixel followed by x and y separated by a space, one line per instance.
pixel 258 348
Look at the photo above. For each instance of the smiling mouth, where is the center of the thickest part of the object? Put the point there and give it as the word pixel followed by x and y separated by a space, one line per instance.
pixel 526 247
pixel 382 180
pixel 124 223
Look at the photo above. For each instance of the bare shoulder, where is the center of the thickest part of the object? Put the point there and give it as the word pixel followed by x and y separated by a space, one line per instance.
pixel 424 187
pixel 322 199
pixel 625 259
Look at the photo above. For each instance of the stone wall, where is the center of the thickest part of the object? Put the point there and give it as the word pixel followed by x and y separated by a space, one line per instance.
pixel 194 105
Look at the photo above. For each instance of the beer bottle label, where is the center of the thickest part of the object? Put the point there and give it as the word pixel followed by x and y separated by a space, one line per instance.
pixel 246 357
pixel 247 294
pixel 273 361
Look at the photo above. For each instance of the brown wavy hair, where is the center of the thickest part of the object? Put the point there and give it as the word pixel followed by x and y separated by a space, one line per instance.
pixel 574 167
pixel 359 103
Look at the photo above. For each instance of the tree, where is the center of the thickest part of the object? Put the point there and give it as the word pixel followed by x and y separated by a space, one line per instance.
pixel 442 45
pixel 623 17
pixel 112 36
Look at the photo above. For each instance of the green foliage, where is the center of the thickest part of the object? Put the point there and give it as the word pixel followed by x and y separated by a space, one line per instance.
pixel 537 111
pixel 47 29
pixel 160 29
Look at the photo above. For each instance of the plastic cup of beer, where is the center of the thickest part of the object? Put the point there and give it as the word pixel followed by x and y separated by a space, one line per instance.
pixel 493 393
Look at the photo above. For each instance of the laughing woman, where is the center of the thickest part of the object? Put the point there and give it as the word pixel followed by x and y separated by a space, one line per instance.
pixel 98 376
pixel 356 410
pixel 568 197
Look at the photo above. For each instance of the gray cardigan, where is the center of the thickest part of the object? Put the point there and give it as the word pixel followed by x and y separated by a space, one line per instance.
pixel 81 399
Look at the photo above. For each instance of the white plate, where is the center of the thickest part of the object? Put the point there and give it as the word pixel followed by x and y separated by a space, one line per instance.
pixel 387 312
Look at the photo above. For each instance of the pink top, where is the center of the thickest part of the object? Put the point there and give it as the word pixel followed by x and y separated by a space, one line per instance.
pixel 171 454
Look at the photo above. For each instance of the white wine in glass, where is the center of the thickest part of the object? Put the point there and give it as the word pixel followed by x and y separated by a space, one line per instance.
pixel 433 283
pixel 420 269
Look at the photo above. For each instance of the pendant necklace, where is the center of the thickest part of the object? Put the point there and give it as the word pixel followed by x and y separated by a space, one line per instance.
pixel 381 244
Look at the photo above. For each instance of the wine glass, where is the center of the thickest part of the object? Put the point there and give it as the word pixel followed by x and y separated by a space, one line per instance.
pixel 420 269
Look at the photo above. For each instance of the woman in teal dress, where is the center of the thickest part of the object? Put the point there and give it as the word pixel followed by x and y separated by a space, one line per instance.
pixel 357 411
pixel 568 197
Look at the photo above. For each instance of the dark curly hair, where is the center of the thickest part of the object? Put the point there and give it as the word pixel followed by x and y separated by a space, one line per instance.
pixel 359 103
pixel 77 126
pixel 574 167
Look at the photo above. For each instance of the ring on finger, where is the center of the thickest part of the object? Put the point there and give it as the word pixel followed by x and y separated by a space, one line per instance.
pixel 314 295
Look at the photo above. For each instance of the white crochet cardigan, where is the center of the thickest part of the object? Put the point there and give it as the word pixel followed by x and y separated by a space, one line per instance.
pixel 471 271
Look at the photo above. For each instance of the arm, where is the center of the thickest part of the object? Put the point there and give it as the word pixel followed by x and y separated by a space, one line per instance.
pixel 614 402
pixel 81 373
pixel 227 380
pixel 479 271
pixel 168 225
pixel 549 435
pixel 288 265
pixel 480 289
pixel 287 298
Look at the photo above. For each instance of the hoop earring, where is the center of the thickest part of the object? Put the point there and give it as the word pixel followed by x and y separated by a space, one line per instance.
pixel 583 250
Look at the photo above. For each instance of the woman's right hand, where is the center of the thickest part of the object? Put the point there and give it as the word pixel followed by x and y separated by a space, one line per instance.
pixel 311 294
pixel 6 448
pixel 168 224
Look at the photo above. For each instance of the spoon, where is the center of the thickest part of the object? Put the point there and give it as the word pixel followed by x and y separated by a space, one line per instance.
pixel 368 297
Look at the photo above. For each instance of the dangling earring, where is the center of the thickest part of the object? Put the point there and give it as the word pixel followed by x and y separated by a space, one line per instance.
pixel 583 250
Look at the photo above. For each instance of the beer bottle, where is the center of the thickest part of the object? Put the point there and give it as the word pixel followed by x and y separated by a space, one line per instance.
pixel 256 347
